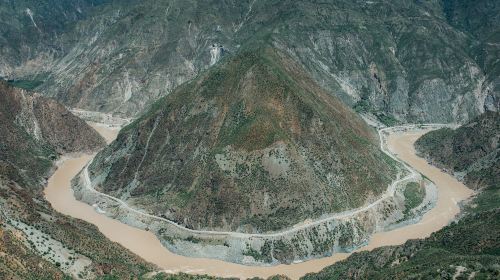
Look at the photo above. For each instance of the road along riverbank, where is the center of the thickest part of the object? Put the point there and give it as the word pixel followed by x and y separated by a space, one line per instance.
pixel 147 245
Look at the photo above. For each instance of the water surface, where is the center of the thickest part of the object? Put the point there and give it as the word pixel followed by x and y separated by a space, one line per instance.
pixel 146 245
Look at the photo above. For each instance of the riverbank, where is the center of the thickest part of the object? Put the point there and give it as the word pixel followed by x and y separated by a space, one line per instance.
pixel 330 234
pixel 150 248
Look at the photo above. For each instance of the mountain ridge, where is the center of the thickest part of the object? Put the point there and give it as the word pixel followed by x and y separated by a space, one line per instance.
pixel 36 126
pixel 403 67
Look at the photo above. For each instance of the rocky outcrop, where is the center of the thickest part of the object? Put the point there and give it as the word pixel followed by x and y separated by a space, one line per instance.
pixel 401 61
pixel 35 131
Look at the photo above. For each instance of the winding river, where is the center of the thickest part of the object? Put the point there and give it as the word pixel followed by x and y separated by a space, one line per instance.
pixel 146 245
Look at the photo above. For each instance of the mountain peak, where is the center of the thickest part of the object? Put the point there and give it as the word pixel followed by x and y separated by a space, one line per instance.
pixel 253 144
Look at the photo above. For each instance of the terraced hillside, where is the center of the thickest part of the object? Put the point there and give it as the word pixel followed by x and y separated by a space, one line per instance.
pixel 253 145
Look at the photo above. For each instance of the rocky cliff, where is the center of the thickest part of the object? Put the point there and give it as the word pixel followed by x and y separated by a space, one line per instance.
pixel 401 61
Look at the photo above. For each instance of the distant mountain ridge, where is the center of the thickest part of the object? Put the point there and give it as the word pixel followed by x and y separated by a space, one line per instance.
pixel 406 61
pixel 30 32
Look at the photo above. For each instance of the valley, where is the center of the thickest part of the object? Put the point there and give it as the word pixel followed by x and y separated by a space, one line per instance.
pixel 251 139
pixel 146 244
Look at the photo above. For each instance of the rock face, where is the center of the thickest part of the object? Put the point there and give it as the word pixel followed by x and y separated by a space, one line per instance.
pixel 252 145
pixel 35 131
pixel 471 152
pixel 406 60
pixel 480 19
pixel 31 32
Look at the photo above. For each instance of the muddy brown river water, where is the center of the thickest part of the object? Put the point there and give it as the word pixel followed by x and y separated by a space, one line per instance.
pixel 146 245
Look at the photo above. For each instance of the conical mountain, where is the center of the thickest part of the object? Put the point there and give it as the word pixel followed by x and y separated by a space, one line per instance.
pixel 253 144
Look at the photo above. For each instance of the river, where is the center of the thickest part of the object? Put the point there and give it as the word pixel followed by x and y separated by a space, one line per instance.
pixel 146 245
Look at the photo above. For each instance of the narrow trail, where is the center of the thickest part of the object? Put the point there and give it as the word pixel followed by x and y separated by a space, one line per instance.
pixel 146 245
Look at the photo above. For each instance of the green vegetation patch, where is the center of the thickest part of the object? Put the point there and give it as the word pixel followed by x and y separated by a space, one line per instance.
pixel 264 255
pixel 487 199
pixel 414 195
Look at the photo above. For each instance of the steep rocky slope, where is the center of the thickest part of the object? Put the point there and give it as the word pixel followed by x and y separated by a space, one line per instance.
pixel 480 19
pixel 466 249
pixel 36 242
pixel 407 60
pixel 252 145
pixel 30 34
pixel 35 131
